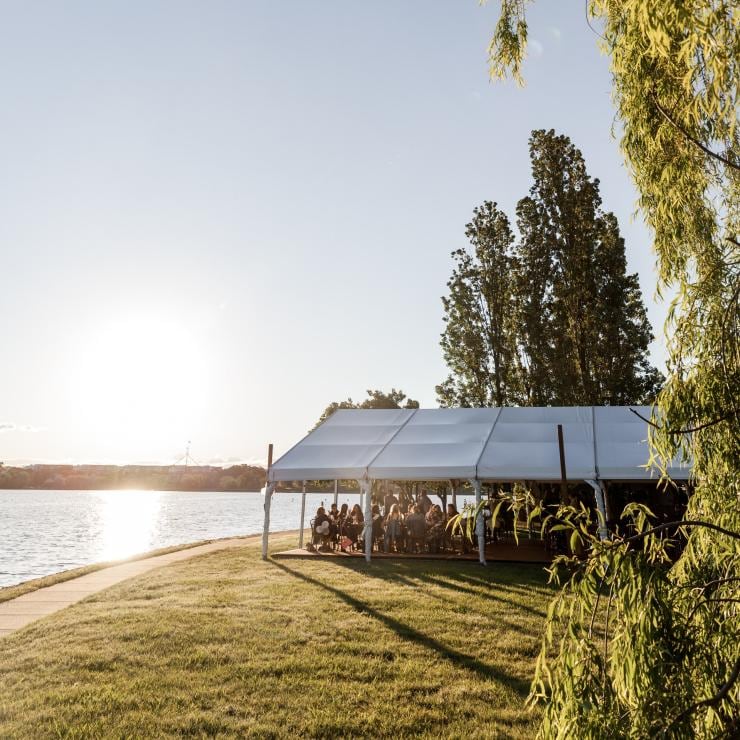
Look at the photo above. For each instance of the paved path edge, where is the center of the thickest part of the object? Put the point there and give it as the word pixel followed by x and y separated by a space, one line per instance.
pixel 22 610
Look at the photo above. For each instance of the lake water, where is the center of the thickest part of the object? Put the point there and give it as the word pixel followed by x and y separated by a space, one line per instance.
pixel 44 532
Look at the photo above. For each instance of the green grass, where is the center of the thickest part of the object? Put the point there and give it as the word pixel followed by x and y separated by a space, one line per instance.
pixel 227 645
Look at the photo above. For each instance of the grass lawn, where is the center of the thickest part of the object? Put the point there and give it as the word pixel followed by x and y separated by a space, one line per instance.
pixel 227 645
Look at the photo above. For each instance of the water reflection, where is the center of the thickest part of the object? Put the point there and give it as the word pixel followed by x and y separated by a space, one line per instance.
pixel 129 522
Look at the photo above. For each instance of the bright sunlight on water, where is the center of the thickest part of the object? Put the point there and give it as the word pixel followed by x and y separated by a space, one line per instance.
pixel 129 520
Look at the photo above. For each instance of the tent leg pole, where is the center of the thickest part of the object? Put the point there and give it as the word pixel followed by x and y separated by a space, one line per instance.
pixel 366 487
pixel 336 492
pixel 607 505
pixel 480 525
pixel 303 514
pixel 601 508
pixel 269 488
pixel 454 494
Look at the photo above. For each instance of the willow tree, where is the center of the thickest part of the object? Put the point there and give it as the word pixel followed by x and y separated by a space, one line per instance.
pixel 668 662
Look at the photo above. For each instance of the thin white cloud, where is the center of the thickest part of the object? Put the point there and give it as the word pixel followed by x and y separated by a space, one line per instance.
pixel 556 33
pixel 537 48
pixel 233 460
pixel 7 426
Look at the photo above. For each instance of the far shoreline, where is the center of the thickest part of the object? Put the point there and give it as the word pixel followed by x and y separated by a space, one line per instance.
pixel 310 490
pixel 126 490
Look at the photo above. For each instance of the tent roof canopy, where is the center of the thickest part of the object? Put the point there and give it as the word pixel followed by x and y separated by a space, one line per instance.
pixel 497 444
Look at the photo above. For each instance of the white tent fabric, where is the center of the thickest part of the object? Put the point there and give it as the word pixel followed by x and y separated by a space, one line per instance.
pixel 524 444
pixel 508 444
pixel 436 446
pixel 342 447
pixel 621 446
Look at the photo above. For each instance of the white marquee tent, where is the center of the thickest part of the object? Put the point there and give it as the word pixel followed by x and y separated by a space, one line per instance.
pixel 600 443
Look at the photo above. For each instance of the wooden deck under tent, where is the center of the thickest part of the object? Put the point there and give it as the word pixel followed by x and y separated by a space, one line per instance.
pixel 528 551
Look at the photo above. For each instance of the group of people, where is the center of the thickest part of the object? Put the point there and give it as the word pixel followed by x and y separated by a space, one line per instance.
pixel 401 526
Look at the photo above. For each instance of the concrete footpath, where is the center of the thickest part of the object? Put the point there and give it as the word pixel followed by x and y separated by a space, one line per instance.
pixel 22 610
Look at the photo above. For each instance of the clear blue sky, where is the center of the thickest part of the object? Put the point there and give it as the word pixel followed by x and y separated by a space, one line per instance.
pixel 216 217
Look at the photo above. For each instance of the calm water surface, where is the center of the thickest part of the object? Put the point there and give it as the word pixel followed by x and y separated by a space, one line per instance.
pixel 44 532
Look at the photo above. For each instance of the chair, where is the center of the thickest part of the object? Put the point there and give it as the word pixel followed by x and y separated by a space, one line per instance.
pixel 378 532
pixel 457 541
pixel 415 535
pixel 322 539
pixel 393 535
pixel 356 532
pixel 435 539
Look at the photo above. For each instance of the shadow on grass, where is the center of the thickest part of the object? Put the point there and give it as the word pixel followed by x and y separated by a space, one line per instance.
pixel 506 575
pixel 486 583
pixel 441 582
pixel 505 583
pixel 450 602
pixel 405 631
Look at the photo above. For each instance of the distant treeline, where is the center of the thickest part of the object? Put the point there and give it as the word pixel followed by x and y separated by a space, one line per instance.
pixel 148 477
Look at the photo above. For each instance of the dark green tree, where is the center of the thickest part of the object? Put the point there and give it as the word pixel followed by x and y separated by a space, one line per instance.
pixel 375 400
pixel 554 318
pixel 584 332
pixel 479 343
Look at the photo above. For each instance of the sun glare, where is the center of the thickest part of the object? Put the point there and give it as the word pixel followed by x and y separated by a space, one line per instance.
pixel 129 522
pixel 140 380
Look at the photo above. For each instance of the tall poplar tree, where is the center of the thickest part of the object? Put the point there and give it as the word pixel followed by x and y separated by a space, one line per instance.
pixel 552 319
pixel 584 329
pixel 479 342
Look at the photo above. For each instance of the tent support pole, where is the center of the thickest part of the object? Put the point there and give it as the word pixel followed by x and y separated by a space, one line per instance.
pixel 607 505
pixel 366 488
pixel 563 474
pixel 269 490
pixel 480 524
pixel 454 494
pixel 303 514
pixel 601 508
pixel 336 492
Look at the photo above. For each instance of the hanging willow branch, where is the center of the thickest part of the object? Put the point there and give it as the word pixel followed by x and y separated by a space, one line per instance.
pixel 668 525
pixel 709 702
pixel 688 430
pixel 692 139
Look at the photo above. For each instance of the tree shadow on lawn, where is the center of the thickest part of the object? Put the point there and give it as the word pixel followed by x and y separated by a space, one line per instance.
pixel 518 579
pixel 448 575
pixel 405 631
pixel 450 602
pixel 474 592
